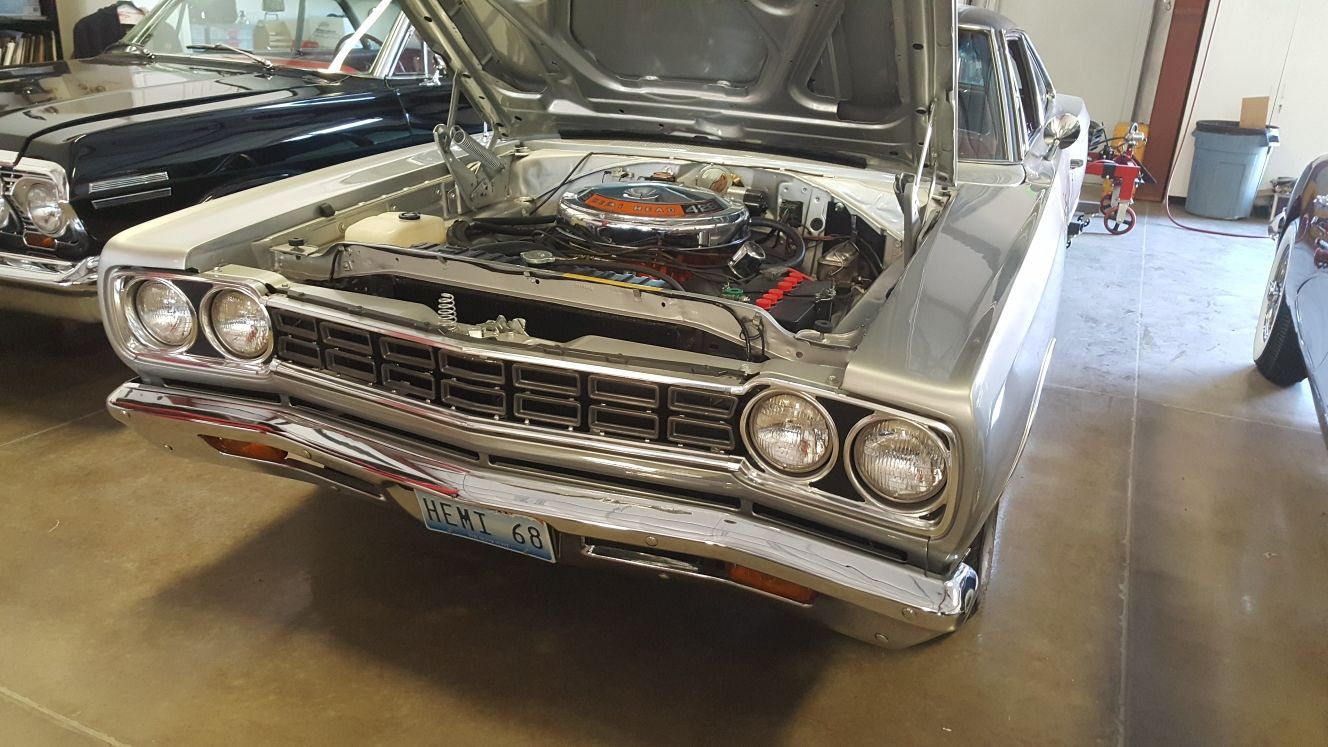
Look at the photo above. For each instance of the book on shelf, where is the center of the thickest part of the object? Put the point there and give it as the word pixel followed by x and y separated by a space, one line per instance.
pixel 28 32
pixel 26 47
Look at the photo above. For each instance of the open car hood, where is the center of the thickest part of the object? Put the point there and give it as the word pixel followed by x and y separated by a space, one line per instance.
pixel 863 80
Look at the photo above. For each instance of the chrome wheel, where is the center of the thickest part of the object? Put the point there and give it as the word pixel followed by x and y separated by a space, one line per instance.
pixel 1272 296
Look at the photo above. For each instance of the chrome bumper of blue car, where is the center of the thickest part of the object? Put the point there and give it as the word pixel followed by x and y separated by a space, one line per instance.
pixel 50 287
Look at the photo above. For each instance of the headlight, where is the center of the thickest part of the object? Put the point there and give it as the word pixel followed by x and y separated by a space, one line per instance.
pixel 239 324
pixel 899 461
pixel 163 315
pixel 790 433
pixel 42 202
pixel 5 212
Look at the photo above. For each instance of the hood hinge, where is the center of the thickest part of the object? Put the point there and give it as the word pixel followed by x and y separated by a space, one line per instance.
pixel 483 178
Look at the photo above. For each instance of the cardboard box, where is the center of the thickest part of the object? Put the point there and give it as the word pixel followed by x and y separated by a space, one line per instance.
pixel 1254 113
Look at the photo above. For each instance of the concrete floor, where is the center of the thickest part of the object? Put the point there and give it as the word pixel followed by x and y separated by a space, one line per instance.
pixel 1160 575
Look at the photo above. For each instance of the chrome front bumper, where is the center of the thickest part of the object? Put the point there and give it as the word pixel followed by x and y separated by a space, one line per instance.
pixel 875 599
pixel 51 287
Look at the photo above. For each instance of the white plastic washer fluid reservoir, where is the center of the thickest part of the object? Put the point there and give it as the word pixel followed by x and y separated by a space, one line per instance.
pixel 399 229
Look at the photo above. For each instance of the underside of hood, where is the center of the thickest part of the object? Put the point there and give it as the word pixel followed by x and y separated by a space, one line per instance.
pixel 867 80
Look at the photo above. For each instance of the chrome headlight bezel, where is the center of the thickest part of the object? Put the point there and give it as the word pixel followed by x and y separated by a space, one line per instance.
pixel 835 487
pixel 202 354
pixel 213 337
pixel 919 506
pixel 812 474
pixel 144 336
pixel 20 194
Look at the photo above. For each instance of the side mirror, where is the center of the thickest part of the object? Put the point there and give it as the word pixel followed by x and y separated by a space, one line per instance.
pixel 1061 132
pixel 435 69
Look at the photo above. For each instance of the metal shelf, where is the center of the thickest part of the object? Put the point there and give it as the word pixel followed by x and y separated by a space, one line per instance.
pixel 38 24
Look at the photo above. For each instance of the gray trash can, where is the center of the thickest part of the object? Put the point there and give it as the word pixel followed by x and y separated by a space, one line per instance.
pixel 1228 166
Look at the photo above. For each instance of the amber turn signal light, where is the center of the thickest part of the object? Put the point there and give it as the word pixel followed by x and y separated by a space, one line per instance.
pixel 246 449
pixel 771 585
pixel 39 240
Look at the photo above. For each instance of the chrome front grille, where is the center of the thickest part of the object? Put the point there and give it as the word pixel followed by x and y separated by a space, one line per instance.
pixel 513 391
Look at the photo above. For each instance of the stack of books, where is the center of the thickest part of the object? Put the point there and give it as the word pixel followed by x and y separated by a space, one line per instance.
pixel 26 47
pixel 29 32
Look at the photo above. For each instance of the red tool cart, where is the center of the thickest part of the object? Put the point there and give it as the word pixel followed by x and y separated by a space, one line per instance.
pixel 1114 161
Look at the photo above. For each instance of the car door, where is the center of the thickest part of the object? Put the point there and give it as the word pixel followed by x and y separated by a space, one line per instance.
pixel 1075 158
pixel 1035 104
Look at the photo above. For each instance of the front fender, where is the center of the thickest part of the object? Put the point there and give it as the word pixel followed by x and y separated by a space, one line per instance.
pixel 966 336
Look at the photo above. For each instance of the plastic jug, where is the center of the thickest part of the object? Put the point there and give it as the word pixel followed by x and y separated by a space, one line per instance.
pixel 399 229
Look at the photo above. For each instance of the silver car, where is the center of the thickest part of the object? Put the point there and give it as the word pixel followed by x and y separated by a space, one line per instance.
pixel 755 294
pixel 1291 342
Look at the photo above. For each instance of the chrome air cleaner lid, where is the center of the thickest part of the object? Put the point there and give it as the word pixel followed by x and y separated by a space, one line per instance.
pixel 644 213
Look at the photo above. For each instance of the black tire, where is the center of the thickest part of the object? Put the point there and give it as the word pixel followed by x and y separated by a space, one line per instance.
pixel 1281 361
pixel 1276 346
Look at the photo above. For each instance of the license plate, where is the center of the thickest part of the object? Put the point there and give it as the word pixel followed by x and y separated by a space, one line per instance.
pixel 509 531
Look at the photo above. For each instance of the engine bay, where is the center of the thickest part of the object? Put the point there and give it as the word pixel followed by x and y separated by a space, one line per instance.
pixel 579 247
pixel 695 228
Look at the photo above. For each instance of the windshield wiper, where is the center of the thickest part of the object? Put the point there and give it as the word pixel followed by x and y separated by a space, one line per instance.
pixel 135 48
pixel 219 47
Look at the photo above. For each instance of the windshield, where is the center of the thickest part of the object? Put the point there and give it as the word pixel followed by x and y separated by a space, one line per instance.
pixel 311 34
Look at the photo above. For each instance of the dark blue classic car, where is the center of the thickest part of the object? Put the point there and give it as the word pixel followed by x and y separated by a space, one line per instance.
pixel 1291 340
pixel 201 99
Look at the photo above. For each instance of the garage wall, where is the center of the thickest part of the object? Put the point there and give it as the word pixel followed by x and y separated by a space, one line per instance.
pixel 1093 49
pixel 1300 108
pixel 1264 48
pixel 71 11
pixel 1111 53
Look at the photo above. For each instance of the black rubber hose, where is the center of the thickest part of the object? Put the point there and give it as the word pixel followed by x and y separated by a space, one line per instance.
pixel 800 246
pixel 873 258
pixel 517 220
pixel 465 231
pixel 458 233
pixel 507 248
pixel 505 229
